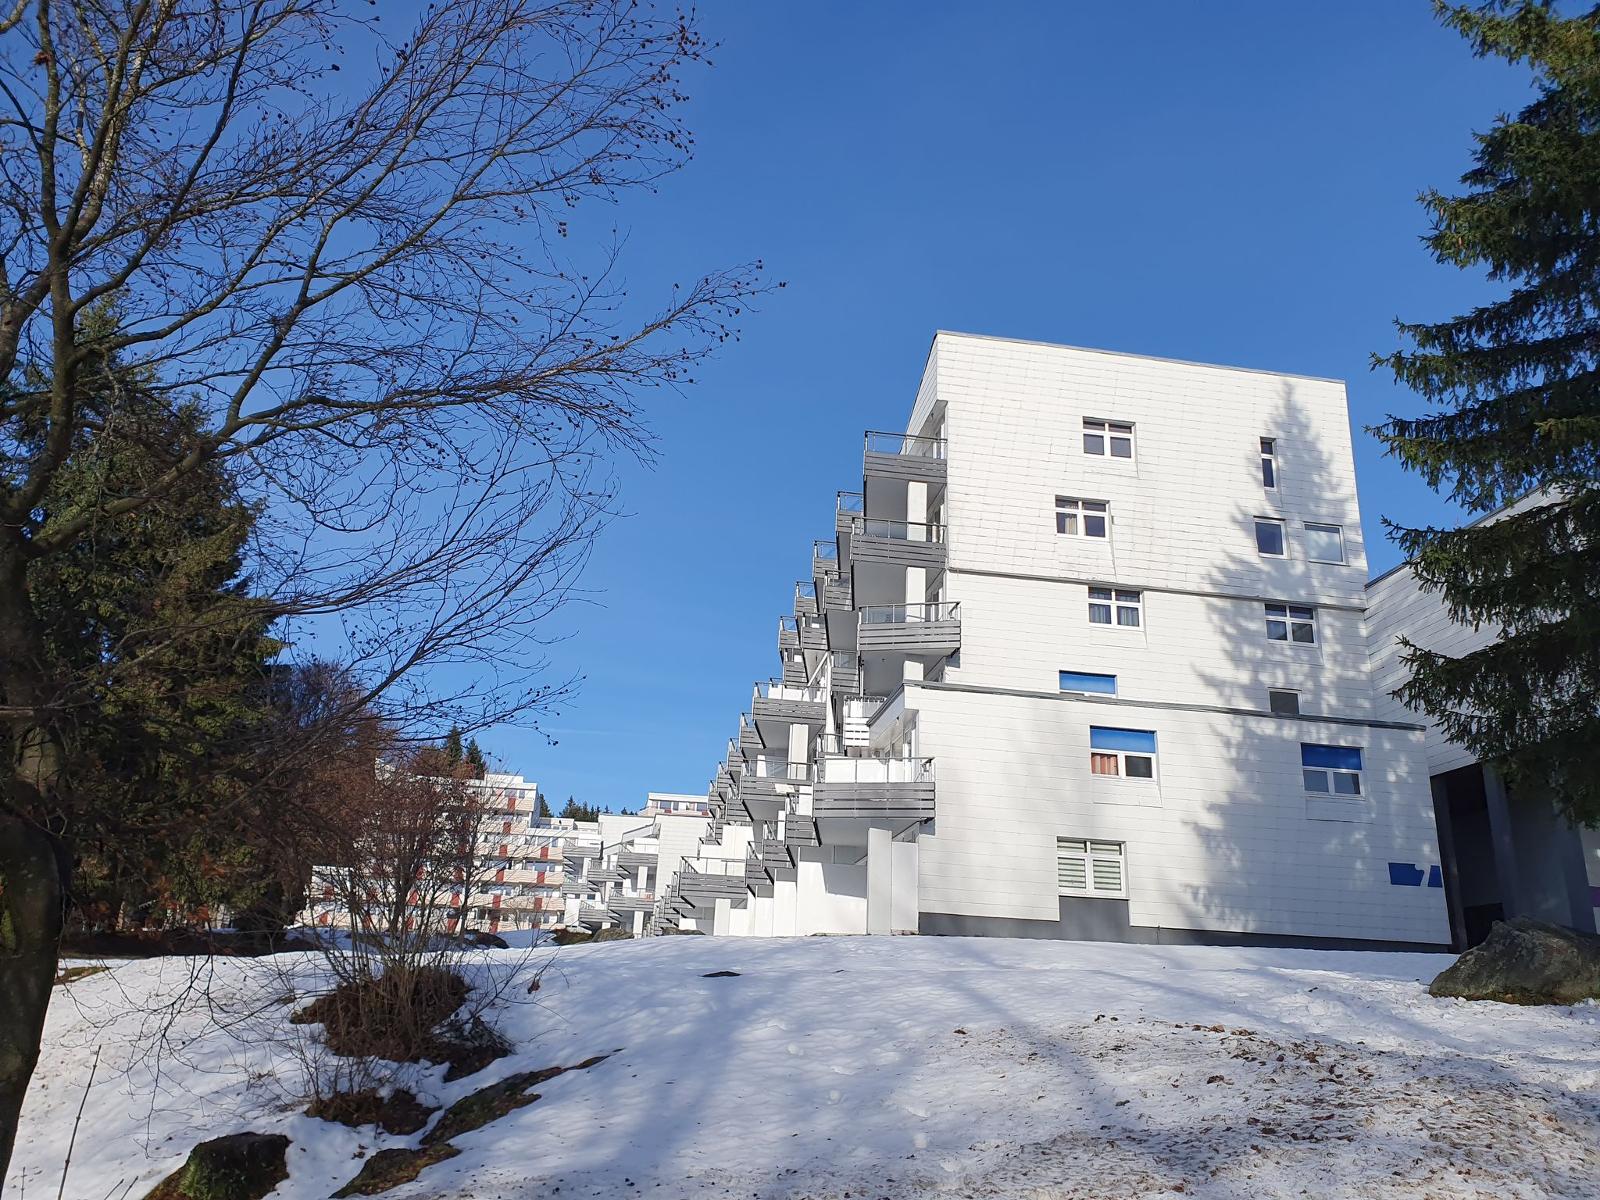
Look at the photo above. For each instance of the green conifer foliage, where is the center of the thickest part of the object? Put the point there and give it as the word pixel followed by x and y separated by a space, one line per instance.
pixel 1514 393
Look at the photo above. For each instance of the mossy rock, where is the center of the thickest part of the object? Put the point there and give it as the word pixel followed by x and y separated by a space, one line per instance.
pixel 390 1168
pixel 241 1166
pixel 1524 961
pixel 495 1101
pixel 613 934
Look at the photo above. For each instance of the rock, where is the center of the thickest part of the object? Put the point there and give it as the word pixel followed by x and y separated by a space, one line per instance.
pixel 241 1166
pixel 390 1168
pixel 1524 961
pixel 479 937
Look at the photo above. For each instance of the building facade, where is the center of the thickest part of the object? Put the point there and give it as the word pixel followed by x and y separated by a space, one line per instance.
pixel 1504 854
pixel 1085 656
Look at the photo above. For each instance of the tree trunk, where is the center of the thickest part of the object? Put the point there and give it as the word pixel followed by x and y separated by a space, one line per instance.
pixel 33 868
pixel 31 894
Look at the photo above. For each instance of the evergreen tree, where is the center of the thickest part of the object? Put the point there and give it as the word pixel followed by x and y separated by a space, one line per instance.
pixel 474 759
pixel 544 808
pixel 452 748
pixel 164 661
pixel 1514 389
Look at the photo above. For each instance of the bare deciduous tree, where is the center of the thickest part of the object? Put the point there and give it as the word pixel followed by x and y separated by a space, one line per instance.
pixel 348 250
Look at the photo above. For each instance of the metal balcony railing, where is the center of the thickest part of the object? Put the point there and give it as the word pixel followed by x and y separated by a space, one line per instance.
pixel 904 443
pixel 776 689
pixel 906 614
pixel 852 504
pixel 841 769
pixel 766 768
pixel 899 531
pixel 805 591
pixel 824 551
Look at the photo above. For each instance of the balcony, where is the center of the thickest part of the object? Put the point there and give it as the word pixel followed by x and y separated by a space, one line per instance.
pixel 892 790
pixel 788 634
pixel 749 738
pixel 805 599
pixel 776 705
pixel 824 558
pixel 898 543
pixel 794 667
pixel 844 673
pixel 847 506
pixel 702 889
pixel 910 628
pixel 813 633
pixel 768 786
pixel 836 594
pixel 903 456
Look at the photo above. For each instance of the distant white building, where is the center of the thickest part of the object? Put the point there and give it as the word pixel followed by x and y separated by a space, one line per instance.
pixel 675 804
pixel 1086 656
pixel 516 872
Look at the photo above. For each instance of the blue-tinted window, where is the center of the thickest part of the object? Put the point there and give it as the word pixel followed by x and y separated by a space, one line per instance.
pixel 1087 681
pixel 1341 758
pixel 1138 741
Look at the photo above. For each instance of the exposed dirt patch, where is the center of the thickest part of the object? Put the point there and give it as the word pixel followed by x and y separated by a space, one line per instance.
pixel 404 1016
pixel 720 975
pixel 390 1168
pixel 400 1112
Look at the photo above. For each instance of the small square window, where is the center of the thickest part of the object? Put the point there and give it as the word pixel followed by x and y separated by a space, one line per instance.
pixel 1130 753
pixel 1291 623
pixel 1324 543
pixel 1116 606
pixel 1283 702
pixel 1082 518
pixel 1089 868
pixel 1334 770
pixel 1269 537
pixel 1100 437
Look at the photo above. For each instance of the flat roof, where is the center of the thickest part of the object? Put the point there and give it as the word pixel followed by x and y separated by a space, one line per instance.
pixel 1181 362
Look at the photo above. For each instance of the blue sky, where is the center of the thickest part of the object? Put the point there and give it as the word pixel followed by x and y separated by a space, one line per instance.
pixel 1232 183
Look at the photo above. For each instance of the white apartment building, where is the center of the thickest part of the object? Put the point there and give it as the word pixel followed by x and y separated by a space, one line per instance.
pixel 516 871
pixel 1503 854
pixel 617 863
pixel 1086 656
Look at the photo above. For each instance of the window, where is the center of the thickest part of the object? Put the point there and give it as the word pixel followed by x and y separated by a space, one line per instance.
pixel 1324 543
pixel 1086 681
pixel 1100 436
pixel 1081 518
pixel 1116 606
pixel 1283 702
pixel 1331 769
pixel 1086 868
pixel 1130 753
pixel 1291 623
pixel 1269 463
pixel 1269 537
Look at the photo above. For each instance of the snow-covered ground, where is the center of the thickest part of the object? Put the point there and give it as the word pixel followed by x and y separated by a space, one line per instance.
pixel 834 1067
